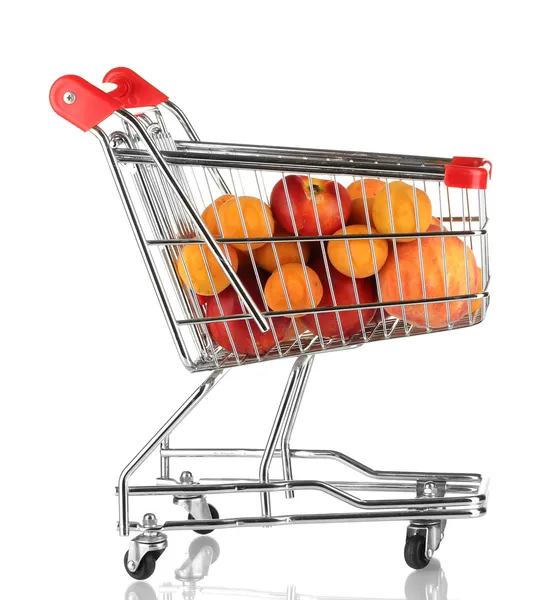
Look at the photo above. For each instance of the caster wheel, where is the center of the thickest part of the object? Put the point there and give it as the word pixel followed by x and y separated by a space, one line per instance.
pixel 414 552
pixel 215 515
pixel 204 542
pixel 146 568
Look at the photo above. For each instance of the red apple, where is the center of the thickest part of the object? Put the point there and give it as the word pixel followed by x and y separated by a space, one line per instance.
pixel 300 196
pixel 344 294
pixel 240 330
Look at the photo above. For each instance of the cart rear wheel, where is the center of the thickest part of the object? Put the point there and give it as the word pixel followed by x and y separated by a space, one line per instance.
pixel 146 568
pixel 414 552
pixel 215 515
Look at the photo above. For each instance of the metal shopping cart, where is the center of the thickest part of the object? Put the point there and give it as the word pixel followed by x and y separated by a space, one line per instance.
pixel 165 184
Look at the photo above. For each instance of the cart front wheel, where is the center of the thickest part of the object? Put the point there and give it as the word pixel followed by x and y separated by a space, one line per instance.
pixel 215 515
pixel 414 552
pixel 146 568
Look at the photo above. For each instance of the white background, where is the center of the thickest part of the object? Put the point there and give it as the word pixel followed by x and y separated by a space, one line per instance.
pixel 88 368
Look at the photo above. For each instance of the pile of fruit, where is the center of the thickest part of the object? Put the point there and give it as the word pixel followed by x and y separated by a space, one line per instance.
pixel 295 275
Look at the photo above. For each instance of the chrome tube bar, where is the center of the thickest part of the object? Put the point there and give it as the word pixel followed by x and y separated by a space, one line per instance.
pixel 158 159
pixel 123 490
pixel 292 165
pixel 325 454
pixel 297 374
pixel 292 414
pixel 301 519
pixel 311 485
pixel 193 136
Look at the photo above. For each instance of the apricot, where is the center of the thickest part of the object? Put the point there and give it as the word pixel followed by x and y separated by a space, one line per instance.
pixel 193 272
pixel 360 251
pixel 299 294
pixel 434 274
pixel 244 336
pixel 435 225
pixel 355 190
pixel 255 214
pixel 288 252
pixel 208 216
pixel 403 210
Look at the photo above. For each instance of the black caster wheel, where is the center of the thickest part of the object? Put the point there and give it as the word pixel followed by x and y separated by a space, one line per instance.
pixel 146 568
pixel 215 515
pixel 204 542
pixel 414 552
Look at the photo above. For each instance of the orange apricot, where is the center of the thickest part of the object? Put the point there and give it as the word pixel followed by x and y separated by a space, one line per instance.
pixel 288 252
pixel 255 216
pixel 355 190
pixel 208 216
pixel 191 267
pixel 403 207
pixel 299 294
pixel 360 252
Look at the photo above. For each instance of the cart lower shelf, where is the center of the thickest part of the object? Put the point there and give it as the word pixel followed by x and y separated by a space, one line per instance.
pixel 429 498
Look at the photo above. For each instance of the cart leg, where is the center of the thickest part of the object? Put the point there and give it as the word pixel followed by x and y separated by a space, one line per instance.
pixel 285 440
pixel 296 376
pixel 155 441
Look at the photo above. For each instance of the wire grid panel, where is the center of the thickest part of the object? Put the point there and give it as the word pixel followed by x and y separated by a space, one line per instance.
pixel 226 335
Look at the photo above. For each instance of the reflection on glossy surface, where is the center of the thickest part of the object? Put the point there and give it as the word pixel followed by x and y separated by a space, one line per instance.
pixel 427 584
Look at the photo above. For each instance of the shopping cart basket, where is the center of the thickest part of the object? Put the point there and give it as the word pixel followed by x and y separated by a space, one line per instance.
pixel 222 315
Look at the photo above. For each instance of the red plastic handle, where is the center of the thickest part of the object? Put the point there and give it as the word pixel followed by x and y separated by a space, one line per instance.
pixel 467 172
pixel 80 102
pixel 132 90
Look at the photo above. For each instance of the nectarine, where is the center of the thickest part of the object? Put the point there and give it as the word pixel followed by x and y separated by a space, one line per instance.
pixel 296 191
pixel 257 220
pixel 299 294
pixel 403 203
pixel 360 251
pixel 287 252
pixel 245 336
pixel 191 267
pixel 344 295
pixel 433 266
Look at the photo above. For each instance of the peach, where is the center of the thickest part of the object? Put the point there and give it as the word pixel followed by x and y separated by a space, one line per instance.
pixel 433 266
pixel 403 208
pixel 208 216
pixel 288 252
pixel 257 219
pixel 355 190
pixel 299 294
pixel 344 295
pixel 477 304
pixel 435 225
pixel 330 209
pixel 191 267
pixel 360 251
pixel 244 335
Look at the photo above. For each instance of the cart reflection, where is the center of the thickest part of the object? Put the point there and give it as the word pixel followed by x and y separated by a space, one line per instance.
pixel 427 584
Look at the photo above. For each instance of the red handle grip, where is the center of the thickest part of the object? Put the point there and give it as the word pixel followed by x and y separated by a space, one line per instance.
pixel 80 102
pixel 132 90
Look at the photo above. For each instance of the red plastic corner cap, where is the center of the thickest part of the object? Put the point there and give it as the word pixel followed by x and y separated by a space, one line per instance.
pixel 80 102
pixel 468 173
pixel 132 90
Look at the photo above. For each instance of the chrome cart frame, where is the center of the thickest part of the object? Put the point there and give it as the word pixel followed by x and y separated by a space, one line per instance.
pixel 149 166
